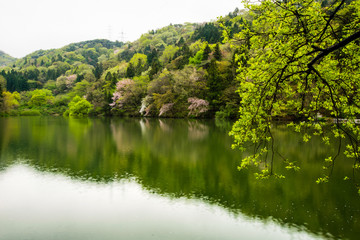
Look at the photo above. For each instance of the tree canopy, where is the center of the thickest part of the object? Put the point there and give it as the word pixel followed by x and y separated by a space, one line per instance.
pixel 299 61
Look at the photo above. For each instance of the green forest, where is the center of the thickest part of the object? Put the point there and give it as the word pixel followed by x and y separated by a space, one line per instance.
pixel 177 71
pixel 274 60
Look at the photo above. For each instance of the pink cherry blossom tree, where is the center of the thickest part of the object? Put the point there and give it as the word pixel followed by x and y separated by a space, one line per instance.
pixel 197 106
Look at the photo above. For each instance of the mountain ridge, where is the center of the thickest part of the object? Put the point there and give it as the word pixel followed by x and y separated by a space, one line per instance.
pixel 5 58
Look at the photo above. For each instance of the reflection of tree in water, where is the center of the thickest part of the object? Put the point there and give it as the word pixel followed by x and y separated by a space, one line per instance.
pixel 197 130
pixel 7 130
pixel 164 127
pixel 124 135
pixel 144 125
pixel 79 128
pixel 190 162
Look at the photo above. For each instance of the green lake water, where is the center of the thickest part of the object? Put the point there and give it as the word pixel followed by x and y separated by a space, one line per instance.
pixel 161 179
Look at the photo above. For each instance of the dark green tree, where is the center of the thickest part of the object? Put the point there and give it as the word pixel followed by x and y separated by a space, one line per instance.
pixel 98 70
pixel 214 85
pixel 126 55
pixel 183 56
pixel 15 81
pixel 217 52
pixel 208 32
pixel 152 56
pixel 155 67
pixel 59 58
pixel 130 71
pixel 181 42
pixel 207 51
pixel 111 79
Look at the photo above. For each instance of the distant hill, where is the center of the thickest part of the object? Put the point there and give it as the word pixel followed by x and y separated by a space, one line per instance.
pixel 179 70
pixel 5 59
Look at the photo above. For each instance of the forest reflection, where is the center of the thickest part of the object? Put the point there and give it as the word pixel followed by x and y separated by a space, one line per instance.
pixel 187 158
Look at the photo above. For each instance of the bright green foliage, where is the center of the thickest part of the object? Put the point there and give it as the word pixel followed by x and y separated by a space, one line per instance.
pixel 40 97
pixel 10 100
pixel 302 63
pixel 79 107
pixel 73 57
pixel 81 88
pixel 51 85
pixel 139 62
pixel 196 60
pixel 169 53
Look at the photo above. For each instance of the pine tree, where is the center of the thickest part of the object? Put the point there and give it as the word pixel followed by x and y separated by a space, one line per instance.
pixel 206 53
pixel 130 71
pixel 217 52
pixel 155 67
pixel 214 84
pixel 98 70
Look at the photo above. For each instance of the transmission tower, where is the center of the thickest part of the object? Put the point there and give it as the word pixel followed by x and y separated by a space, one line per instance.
pixel 122 36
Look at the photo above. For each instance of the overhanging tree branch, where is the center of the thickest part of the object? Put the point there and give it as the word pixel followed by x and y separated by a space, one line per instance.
pixel 290 81
pixel 331 18
pixel 334 47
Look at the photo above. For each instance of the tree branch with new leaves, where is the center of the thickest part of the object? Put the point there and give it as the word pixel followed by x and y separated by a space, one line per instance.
pixel 303 62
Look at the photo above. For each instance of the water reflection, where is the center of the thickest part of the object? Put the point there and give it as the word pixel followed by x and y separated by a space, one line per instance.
pixel 120 210
pixel 186 159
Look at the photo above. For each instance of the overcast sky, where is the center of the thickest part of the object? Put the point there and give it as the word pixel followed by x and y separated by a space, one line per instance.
pixel 30 25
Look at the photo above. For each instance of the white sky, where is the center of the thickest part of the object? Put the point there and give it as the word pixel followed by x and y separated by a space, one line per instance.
pixel 30 25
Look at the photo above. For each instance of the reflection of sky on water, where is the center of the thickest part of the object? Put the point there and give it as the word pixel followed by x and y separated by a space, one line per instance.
pixel 38 205
pixel 174 160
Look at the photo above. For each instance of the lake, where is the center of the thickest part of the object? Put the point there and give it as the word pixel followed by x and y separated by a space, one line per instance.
pixel 116 178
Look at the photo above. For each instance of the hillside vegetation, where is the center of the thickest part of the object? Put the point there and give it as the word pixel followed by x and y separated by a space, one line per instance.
pixel 5 59
pixel 182 70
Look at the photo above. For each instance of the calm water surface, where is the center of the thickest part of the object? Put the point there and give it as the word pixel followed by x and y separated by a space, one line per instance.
pixel 160 179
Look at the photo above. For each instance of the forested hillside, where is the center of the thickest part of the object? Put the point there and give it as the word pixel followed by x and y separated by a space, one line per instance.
pixel 5 59
pixel 178 71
